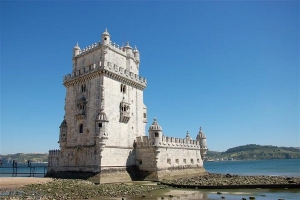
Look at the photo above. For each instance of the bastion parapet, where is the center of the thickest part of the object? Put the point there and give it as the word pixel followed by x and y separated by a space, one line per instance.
pixel 168 142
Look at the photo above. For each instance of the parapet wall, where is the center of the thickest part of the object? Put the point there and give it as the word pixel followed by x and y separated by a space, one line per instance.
pixel 112 45
pixel 108 66
pixel 53 159
pixel 144 141
pixel 55 152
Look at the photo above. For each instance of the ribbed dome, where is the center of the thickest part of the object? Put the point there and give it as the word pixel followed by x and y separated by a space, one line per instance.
pixel 155 126
pixel 201 134
pixel 127 46
pixel 188 137
pixel 102 116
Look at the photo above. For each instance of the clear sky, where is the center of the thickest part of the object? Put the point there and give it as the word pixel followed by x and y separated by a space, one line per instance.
pixel 231 67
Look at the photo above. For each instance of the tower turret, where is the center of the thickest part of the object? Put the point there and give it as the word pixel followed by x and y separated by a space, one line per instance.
pixel 76 50
pixel 155 132
pixel 188 137
pixel 128 49
pixel 105 37
pixel 63 133
pixel 136 55
pixel 203 146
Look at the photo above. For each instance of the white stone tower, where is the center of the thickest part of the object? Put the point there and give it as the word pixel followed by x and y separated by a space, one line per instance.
pixel 104 109
pixel 102 137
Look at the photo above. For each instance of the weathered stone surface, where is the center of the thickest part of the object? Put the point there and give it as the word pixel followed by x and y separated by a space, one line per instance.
pixel 103 131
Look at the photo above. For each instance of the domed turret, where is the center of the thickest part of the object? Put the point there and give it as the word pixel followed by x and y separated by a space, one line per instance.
pixel 63 133
pixel 105 37
pixel 76 50
pixel 136 54
pixel 155 126
pixel 101 123
pixel 188 137
pixel 203 146
pixel 155 133
pixel 102 116
pixel 128 49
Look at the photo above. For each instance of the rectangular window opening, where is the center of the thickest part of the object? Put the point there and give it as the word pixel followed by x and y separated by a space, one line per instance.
pixel 169 161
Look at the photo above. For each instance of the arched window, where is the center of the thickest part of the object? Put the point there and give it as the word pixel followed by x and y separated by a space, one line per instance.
pixel 156 134
pixel 81 128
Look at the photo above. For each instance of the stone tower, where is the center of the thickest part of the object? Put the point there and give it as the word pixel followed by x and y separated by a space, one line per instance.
pixel 104 109
pixel 102 137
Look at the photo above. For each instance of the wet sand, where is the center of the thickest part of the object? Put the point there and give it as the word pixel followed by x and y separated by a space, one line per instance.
pixel 17 182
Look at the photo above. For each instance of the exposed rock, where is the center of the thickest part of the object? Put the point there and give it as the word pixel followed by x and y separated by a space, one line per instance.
pixel 229 180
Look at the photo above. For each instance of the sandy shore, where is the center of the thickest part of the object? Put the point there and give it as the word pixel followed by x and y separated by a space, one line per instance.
pixel 16 182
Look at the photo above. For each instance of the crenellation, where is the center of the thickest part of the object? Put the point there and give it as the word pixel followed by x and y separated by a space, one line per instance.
pixel 123 73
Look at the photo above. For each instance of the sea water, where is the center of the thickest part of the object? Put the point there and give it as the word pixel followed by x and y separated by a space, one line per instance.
pixel 275 167
pixel 22 170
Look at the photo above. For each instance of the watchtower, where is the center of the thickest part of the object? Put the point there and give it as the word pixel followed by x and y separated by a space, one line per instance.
pixel 104 109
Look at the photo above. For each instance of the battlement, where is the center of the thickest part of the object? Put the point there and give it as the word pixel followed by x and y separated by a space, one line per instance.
pixel 109 67
pixel 112 45
pixel 144 141
pixel 55 152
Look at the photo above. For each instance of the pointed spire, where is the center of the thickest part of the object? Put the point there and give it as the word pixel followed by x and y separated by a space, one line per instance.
pixel 187 134
pixel 77 46
pixel 105 32
pixel 135 49
pixel 154 120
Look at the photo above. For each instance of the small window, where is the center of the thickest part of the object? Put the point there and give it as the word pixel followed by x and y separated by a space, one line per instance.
pixel 192 161
pixel 156 134
pixel 145 115
pixel 105 38
pixel 123 88
pixel 100 125
pixel 141 162
pixel 169 161
pixel 81 128
pixel 177 161
pixel 83 88
pixel 197 160
pixel 184 161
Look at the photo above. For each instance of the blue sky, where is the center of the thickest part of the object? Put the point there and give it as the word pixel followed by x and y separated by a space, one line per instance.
pixel 231 67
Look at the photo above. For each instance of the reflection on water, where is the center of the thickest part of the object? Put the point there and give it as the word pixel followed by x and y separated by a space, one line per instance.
pixel 200 194
pixel 205 194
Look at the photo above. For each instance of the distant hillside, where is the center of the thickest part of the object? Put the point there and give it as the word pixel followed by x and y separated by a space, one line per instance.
pixel 245 152
pixel 258 152
pixel 23 158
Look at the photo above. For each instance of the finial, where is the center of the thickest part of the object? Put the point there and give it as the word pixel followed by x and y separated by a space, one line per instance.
pixel 127 43
pixel 187 134
pixel 135 47
pixel 200 128
pixel 77 44
pixel 154 119
pixel 106 30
